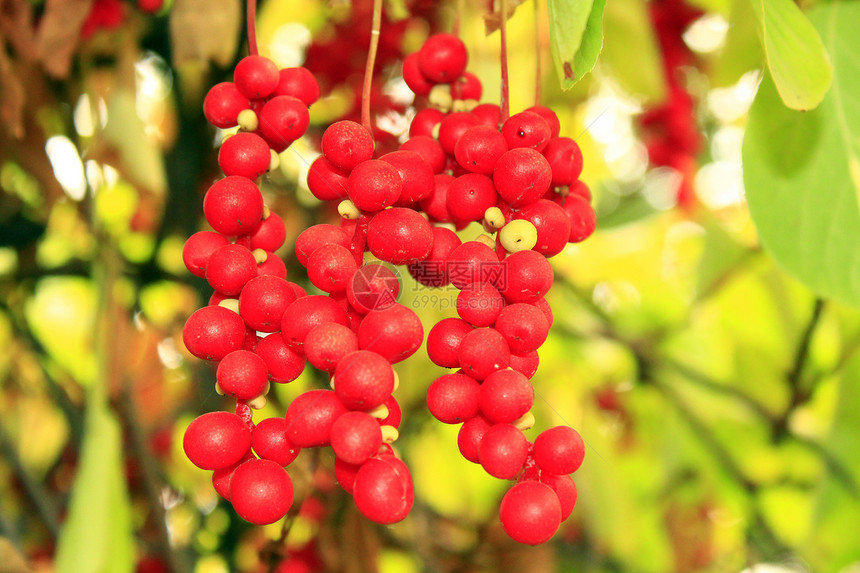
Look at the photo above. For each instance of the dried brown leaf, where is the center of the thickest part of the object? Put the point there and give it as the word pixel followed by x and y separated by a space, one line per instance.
pixel 493 18
pixel 11 97
pixel 16 26
pixel 59 33
pixel 11 560
pixel 205 31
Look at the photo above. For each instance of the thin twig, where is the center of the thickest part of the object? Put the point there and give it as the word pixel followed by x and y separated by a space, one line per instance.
pixel 39 497
pixel 503 61
pixel 251 22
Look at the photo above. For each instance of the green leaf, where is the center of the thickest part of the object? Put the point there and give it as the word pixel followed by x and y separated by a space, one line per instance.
pixel 795 54
pixel 801 169
pixel 631 50
pixel 576 37
pixel 742 51
pixel 97 534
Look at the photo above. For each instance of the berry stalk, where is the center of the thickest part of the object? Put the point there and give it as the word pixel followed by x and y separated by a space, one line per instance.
pixel 251 22
pixel 371 61
pixel 503 57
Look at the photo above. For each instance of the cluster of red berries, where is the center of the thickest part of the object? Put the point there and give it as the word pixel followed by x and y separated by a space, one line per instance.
pixel 520 180
pixel 463 163
pixel 670 131
pixel 261 328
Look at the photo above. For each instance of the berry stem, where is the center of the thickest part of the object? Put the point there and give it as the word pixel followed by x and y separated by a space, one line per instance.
pixel 368 70
pixel 458 16
pixel 538 51
pixel 503 56
pixel 359 239
pixel 251 21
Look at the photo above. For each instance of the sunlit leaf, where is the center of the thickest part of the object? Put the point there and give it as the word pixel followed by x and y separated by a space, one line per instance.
pixel 742 50
pixel 200 33
pixel 795 54
pixel 97 534
pixel 576 37
pixel 801 169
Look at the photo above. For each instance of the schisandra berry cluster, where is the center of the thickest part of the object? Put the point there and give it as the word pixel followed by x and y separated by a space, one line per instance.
pixel 260 328
pixel 461 164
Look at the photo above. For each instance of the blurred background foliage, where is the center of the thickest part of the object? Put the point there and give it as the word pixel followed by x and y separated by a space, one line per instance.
pixel 718 394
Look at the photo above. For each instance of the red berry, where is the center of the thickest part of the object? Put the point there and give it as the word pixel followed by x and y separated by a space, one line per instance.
pixel 229 268
pixel 425 122
pixel 216 440
pixel 443 341
pixel 479 148
pixel 269 234
pixel 242 374
pixel 307 312
pixel 583 220
pixel 432 270
pixel 443 58
pixel 530 512
pixel 436 204
pixel 399 236
pixel 522 175
pixel 564 488
pixel 469 196
pixel 327 182
pixel 283 363
pixel 452 128
pixel 479 304
pixel 505 396
pixel 261 491
pixel 526 276
pixel 326 344
pixel 468 86
pixel 233 206
pixel 488 114
pixel 198 248
pixel 299 83
pixel 383 490
pixel 315 237
pixel 363 380
pixel 470 436
pixel 270 442
pixel 331 267
pixel 374 185
pixel 416 175
pixel 414 77
pixel 526 129
pixel 245 155
pixel 212 332
pixel 310 418
pixel 263 301
pixel 283 120
pixel 256 76
pixel 222 105
pixel 503 451
pixel 524 327
pixel 372 286
pixel 346 144
pixel 429 149
pixel 472 262
pixel 453 398
pixel 549 116
pixel 559 450
pixel 565 160
pixel 526 364
pixel 355 437
pixel 395 332
pixel 552 224
pixel 482 352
